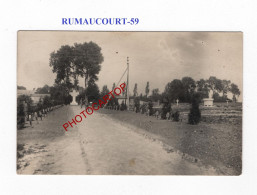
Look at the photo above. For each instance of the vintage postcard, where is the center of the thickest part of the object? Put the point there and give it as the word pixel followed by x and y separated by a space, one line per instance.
pixel 129 103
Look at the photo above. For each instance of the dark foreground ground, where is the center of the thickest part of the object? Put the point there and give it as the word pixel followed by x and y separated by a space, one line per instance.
pixel 216 142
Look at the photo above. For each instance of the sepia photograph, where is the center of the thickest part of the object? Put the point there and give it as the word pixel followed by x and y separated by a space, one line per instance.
pixel 129 103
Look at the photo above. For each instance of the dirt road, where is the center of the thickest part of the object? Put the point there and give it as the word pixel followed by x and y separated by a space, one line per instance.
pixel 100 145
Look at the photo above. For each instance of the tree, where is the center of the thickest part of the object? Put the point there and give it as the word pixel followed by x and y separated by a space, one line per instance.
pixel 21 87
pixel 47 102
pixel 225 87
pixel 155 95
pixel 21 100
pixel 87 61
pixel 135 90
pixel 214 84
pixel 104 91
pixel 62 64
pixel 113 86
pixel 73 61
pixel 124 92
pixel 150 107
pixel 92 92
pixel 165 109
pixel 155 92
pixel 235 91
pixel 67 99
pixel 59 94
pixel 202 88
pixel 174 90
pixel 43 90
pixel 26 99
pixel 113 100
pixel 123 106
pixel 189 86
pixel 137 104
pixel 195 114
pixel 147 90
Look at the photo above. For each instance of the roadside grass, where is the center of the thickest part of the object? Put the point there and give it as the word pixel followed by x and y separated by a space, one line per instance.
pixel 48 128
pixel 214 143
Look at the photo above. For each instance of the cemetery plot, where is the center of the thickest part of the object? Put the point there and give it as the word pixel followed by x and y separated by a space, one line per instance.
pixel 216 140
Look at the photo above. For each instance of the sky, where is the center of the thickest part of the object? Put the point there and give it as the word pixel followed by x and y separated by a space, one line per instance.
pixel 157 57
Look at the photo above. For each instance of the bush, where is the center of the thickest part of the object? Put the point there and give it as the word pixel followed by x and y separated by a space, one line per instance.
pixel 21 110
pixel 165 109
pixel 137 105
pixel 194 116
pixel 176 116
pixel 150 107
pixel 143 108
pixel 123 106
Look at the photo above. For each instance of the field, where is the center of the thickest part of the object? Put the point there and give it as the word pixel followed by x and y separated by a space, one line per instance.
pixel 216 141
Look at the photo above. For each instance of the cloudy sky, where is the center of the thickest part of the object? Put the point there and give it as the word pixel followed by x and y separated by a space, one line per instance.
pixel 157 57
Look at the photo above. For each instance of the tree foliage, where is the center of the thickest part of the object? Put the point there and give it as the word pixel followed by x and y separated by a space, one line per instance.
pixel 21 87
pixel 113 86
pixel 175 90
pixel 124 93
pixel 189 86
pixel 43 90
pixel 87 60
pixel 147 89
pixel 155 95
pixel 135 90
pixel 235 91
pixel 92 92
pixel 185 88
pixel 104 91
pixel 214 84
pixel 81 60
pixel 61 62
pixel 194 116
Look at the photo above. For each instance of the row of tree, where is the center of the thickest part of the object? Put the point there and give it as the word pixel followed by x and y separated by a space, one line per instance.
pixel 25 105
pixel 185 88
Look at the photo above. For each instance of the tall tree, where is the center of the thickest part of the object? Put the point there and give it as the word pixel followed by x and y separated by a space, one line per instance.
pixel 214 84
pixel 113 86
pixel 124 93
pixel 43 90
pixel 87 60
pixel 92 92
pixel 147 90
pixel 104 91
pixel 61 62
pixel 189 87
pixel 225 87
pixel 113 100
pixel 21 87
pixel 175 90
pixel 79 60
pixel 155 95
pixel 135 90
pixel 235 91
pixel 194 116
pixel 202 88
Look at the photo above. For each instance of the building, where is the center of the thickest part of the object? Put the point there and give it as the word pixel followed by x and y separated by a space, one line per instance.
pixel 31 93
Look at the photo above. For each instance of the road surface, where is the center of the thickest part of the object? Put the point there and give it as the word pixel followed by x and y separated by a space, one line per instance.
pixel 101 146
